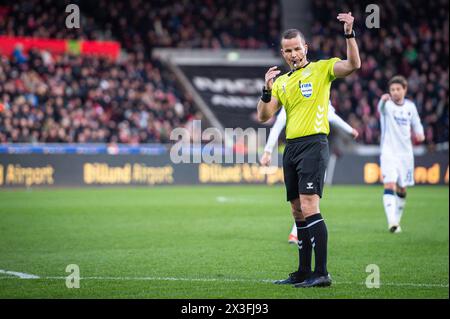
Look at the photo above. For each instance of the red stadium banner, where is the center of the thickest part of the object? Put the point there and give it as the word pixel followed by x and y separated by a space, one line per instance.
pixel 110 49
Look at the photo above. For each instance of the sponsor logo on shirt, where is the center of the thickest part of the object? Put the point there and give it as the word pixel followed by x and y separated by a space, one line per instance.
pixel 401 120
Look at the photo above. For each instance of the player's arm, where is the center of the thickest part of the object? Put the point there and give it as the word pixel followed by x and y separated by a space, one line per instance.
pixel 268 104
pixel 336 120
pixel 417 126
pixel 384 98
pixel 353 62
pixel 277 127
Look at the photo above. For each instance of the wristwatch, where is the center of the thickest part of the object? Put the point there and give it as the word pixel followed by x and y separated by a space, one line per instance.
pixel 350 35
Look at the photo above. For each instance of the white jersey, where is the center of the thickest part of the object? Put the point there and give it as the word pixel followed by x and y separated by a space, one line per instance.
pixel 280 123
pixel 396 122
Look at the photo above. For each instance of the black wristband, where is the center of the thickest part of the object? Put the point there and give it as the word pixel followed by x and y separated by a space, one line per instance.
pixel 266 95
pixel 350 35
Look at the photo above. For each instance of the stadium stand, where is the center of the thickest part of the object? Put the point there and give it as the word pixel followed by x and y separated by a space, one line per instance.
pixel 136 100
pixel 190 23
pixel 68 98
pixel 87 99
pixel 46 19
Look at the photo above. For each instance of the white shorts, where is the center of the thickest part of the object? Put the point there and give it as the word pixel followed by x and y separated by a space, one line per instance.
pixel 398 169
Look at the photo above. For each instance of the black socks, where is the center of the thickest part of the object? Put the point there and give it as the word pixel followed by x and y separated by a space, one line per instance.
pixel 318 236
pixel 304 247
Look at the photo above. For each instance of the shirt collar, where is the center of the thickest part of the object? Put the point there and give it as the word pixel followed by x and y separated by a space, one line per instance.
pixel 302 67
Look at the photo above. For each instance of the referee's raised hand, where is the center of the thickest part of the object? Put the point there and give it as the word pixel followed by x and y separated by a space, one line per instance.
pixel 270 75
pixel 348 20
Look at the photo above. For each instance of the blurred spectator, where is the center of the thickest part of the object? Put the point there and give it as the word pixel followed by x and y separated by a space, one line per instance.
pixel 18 54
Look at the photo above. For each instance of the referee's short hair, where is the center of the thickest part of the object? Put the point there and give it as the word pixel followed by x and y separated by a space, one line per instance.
pixel 292 33
pixel 398 79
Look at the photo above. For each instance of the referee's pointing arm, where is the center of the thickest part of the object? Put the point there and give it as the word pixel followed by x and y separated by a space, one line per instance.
pixel 353 62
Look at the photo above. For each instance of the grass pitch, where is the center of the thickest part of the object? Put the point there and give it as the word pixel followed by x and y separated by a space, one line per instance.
pixel 214 242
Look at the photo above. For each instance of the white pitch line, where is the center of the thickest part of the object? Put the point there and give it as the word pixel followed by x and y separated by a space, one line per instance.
pixel 222 199
pixel 170 279
pixel 21 275
pixel 399 284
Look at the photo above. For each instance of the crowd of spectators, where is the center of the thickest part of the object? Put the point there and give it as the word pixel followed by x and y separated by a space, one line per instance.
pixel 190 23
pixel 46 19
pixel 140 24
pixel 69 98
pixel 136 100
pixel 412 41
pixel 74 98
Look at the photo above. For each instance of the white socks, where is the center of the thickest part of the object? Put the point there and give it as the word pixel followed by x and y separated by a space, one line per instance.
pixel 393 207
pixel 294 230
pixel 390 207
pixel 400 207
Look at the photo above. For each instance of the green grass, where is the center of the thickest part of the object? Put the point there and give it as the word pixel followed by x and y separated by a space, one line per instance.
pixel 220 248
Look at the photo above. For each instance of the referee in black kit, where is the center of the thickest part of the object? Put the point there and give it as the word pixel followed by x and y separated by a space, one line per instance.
pixel 304 92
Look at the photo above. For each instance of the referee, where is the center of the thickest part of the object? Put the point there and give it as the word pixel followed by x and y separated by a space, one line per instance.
pixel 304 92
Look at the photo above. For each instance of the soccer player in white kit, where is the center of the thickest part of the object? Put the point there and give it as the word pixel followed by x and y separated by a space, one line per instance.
pixel 278 126
pixel 397 116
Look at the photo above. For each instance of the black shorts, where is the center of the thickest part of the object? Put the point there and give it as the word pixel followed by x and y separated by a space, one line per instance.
pixel 305 161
